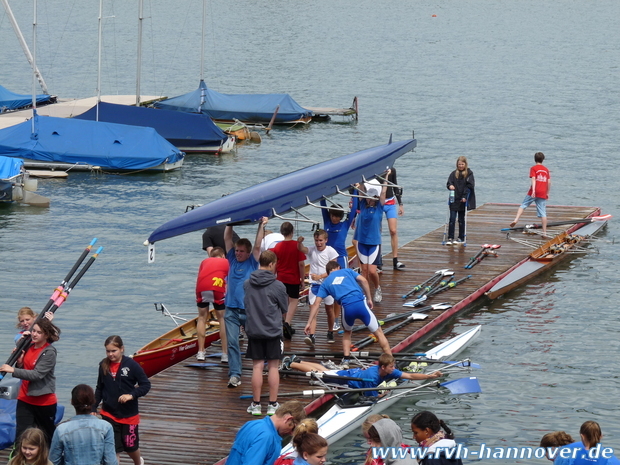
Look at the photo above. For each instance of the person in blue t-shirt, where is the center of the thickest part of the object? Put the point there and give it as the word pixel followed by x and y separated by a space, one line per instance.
pixel 371 377
pixel 589 451
pixel 243 260
pixel 344 287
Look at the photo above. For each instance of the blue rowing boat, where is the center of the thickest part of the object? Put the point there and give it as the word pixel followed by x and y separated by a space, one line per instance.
pixel 286 193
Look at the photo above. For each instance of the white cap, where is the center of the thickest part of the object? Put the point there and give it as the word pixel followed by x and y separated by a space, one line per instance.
pixel 373 191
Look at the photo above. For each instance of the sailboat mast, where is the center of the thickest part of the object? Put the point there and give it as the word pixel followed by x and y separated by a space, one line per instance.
pixel 25 48
pixel 139 72
pixel 34 59
pixel 99 58
pixel 202 48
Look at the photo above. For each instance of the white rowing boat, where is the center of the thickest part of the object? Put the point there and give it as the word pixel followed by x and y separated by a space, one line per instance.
pixel 340 420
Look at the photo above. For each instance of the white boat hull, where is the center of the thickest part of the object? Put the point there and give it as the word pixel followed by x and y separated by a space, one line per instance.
pixel 337 422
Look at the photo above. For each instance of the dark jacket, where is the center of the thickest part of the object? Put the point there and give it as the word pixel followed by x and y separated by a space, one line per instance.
pixel 130 379
pixel 41 378
pixel 265 302
pixel 442 458
pixel 464 189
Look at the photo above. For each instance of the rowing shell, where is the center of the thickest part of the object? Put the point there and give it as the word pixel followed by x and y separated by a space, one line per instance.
pixel 540 260
pixel 339 421
pixel 289 192
pixel 173 347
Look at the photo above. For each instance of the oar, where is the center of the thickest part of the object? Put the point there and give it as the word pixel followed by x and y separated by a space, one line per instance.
pixel 480 252
pixel 560 223
pixel 398 316
pixel 457 386
pixel 484 254
pixel 321 374
pixel 60 294
pixel 420 286
pixel 372 338
pixel 447 286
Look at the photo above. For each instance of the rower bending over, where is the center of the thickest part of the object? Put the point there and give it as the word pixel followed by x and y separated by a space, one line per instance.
pixel 344 287
pixel 385 370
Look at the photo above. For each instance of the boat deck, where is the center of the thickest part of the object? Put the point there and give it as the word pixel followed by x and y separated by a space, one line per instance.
pixel 191 417
pixel 67 108
pixel 326 112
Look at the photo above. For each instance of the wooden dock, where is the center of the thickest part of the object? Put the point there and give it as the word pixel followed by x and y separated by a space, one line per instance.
pixel 191 417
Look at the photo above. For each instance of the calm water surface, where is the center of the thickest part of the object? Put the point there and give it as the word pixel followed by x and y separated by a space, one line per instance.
pixel 493 80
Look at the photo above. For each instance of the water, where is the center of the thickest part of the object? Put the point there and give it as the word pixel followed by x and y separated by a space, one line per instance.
pixel 493 80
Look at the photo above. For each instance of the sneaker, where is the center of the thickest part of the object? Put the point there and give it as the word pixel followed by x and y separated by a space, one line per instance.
pixel 224 358
pixel 200 356
pixel 378 295
pixel 255 409
pixel 316 382
pixel 286 363
pixel 449 241
pixel 330 337
pixel 288 331
pixel 330 365
pixel 336 325
pixel 234 381
pixel 458 242
pixel 344 364
pixel 398 265
pixel 271 408
pixel 141 461
pixel 310 340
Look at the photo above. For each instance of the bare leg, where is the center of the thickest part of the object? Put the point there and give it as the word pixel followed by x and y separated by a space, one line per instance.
pixel 220 318
pixel 383 342
pixel 135 456
pixel 346 343
pixel 257 379
pixel 273 378
pixel 373 276
pixel 392 225
pixel 544 225
pixel 329 309
pixel 292 308
pixel 516 220
pixel 307 366
pixel 201 327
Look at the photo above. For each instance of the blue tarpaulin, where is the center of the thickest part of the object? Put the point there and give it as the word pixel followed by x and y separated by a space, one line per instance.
pixel 10 167
pixel 180 129
pixel 12 101
pixel 249 108
pixel 113 147
pixel 7 421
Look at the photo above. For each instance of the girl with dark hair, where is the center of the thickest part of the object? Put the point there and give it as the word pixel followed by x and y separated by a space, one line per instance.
pixel 427 431
pixel 311 447
pixel 121 381
pixel 84 439
pixel 36 401
pixel 461 183
pixel 31 449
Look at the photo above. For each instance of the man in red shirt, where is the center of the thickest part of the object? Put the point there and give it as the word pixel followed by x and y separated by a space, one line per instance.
pixel 290 271
pixel 538 193
pixel 210 289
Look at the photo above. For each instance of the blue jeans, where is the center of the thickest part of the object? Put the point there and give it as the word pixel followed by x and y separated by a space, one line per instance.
pixel 234 318
pixel 451 224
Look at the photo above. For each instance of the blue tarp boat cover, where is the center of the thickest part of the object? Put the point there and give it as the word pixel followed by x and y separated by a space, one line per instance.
pixel 108 145
pixel 10 167
pixel 255 108
pixel 7 421
pixel 180 129
pixel 12 101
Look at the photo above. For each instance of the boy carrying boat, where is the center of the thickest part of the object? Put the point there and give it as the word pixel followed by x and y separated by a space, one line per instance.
pixel 344 287
pixel 265 305
pixel 371 377
pixel 319 256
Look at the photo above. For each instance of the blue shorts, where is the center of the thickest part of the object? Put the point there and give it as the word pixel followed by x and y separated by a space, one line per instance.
pixel 358 311
pixel 390 208
pixel 343 261
pixel 541 205
pixel 367 254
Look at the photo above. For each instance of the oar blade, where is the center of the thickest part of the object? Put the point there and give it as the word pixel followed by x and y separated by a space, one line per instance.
pixel 463 385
